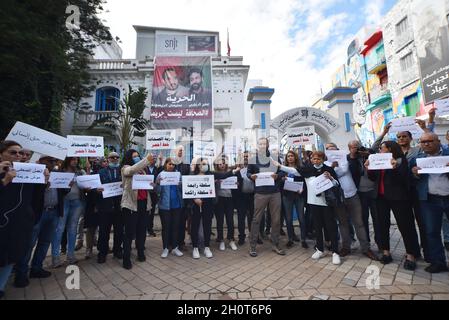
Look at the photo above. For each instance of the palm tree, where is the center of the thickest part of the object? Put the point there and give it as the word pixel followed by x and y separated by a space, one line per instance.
pixel 128 122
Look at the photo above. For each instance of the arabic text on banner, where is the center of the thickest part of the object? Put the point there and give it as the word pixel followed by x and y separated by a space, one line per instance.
pixel 337 156
pixel 39 140
pixel 405 124
pixel 169 178
pixel 142 182
pixel 229 183
pixel 60 180
pixel 197 187
pixel 436 165
pixel 291 185
pixel 301 136
pixel 85 146
pixel 264 179
pixel 204 149
pixel 112 189
pixel 321 184
pixel 29 173
pixel 380 161
pixel 160 139
pixel 88 181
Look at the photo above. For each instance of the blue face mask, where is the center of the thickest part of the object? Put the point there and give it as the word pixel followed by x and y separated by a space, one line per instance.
pixel 114 165
pixel 136 159
pixel 318 167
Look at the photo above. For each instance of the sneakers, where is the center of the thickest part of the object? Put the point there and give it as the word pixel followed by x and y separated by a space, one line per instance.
pixel 318 254
pixel 39 273
pixel 222 246
pixel 164 253
pixel 208 253
pixel 177 252
pixel 195 253
pixel 232 245
pixel 253 252
pixel 336 258
pixel 56 262
pixel 279 251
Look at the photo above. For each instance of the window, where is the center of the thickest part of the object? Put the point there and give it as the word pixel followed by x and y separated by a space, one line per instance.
pixel 412 105
pixel 402 27
pixel 388 115
pixel 107 99
pixel 406 62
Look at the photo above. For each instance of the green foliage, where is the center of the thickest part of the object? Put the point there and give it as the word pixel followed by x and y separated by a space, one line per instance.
pixel 128 122
pixel 43 64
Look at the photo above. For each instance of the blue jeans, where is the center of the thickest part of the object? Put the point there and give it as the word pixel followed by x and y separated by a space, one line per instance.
pixel 432 211
pixel 298 203
pixel 72 213
pixel 5 272
pixel 43 234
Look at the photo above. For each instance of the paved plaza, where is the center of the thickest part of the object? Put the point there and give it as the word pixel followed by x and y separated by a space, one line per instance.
pixel 236 275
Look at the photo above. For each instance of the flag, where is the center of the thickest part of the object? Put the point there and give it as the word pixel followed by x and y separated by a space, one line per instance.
pixel 229 48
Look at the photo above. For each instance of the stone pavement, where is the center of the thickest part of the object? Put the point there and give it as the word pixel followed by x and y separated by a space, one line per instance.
pixel 236 275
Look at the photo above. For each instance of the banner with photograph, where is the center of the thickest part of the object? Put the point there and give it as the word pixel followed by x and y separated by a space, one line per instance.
pixel 182 92
pixel 432 46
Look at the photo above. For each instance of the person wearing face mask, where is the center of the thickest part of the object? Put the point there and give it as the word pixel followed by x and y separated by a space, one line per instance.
pixel 323 216
pixel 202 209
pixel 109 212
pixel 136 205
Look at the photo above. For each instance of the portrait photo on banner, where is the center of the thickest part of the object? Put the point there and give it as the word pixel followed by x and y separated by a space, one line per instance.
pixel 182 92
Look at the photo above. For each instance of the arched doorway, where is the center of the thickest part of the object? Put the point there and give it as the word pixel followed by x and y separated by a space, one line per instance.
pixel 326 126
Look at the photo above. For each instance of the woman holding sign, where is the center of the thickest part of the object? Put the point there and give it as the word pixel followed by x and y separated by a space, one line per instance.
pixel 393 186
pixel 293 196
pixel 170 206
pixel 202 209
pixel 136 205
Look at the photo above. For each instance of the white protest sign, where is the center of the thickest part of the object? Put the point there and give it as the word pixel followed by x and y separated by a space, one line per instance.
pixel 301 136
pixel 435 165
pixel 380 161
pixel 229 183
pixel 60 180
pixel 265 179
pixel 169 178
pixel 112 189
pixel 39 140
pixel 321 184
pixel 160 139
pixel 88 181
pixel 204 149
pixel 405 124
pixel 197 187
pixel 142 182
pixel 339 156
pixel 29 173
pixel 442 107
pixel 291 185
pixel 85 146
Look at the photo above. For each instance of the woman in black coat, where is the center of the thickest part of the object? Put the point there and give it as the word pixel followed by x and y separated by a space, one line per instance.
pixel 16 213
pixel 393 187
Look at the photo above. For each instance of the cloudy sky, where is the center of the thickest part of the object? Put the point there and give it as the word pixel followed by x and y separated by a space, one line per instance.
pixel 294 46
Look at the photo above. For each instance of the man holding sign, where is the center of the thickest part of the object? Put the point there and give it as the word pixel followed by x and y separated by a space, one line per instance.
pixel 433 193
pixel 265 195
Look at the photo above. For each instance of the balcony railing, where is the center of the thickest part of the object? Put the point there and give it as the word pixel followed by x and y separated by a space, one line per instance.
pixel 379 65
pixel 84 119
pixel 378 91
pixel 121 64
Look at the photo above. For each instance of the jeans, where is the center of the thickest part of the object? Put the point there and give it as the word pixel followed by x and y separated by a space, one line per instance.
pixel 433 210
pixel 298 203
pixel 43 234
pixel 368 202
pixel 72 212
pixel 224 208
pixel 246 210
pixel 5 272
pixel 170 225
pixel 351 210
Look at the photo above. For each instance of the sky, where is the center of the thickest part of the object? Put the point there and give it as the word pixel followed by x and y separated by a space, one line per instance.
pixel 293 46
